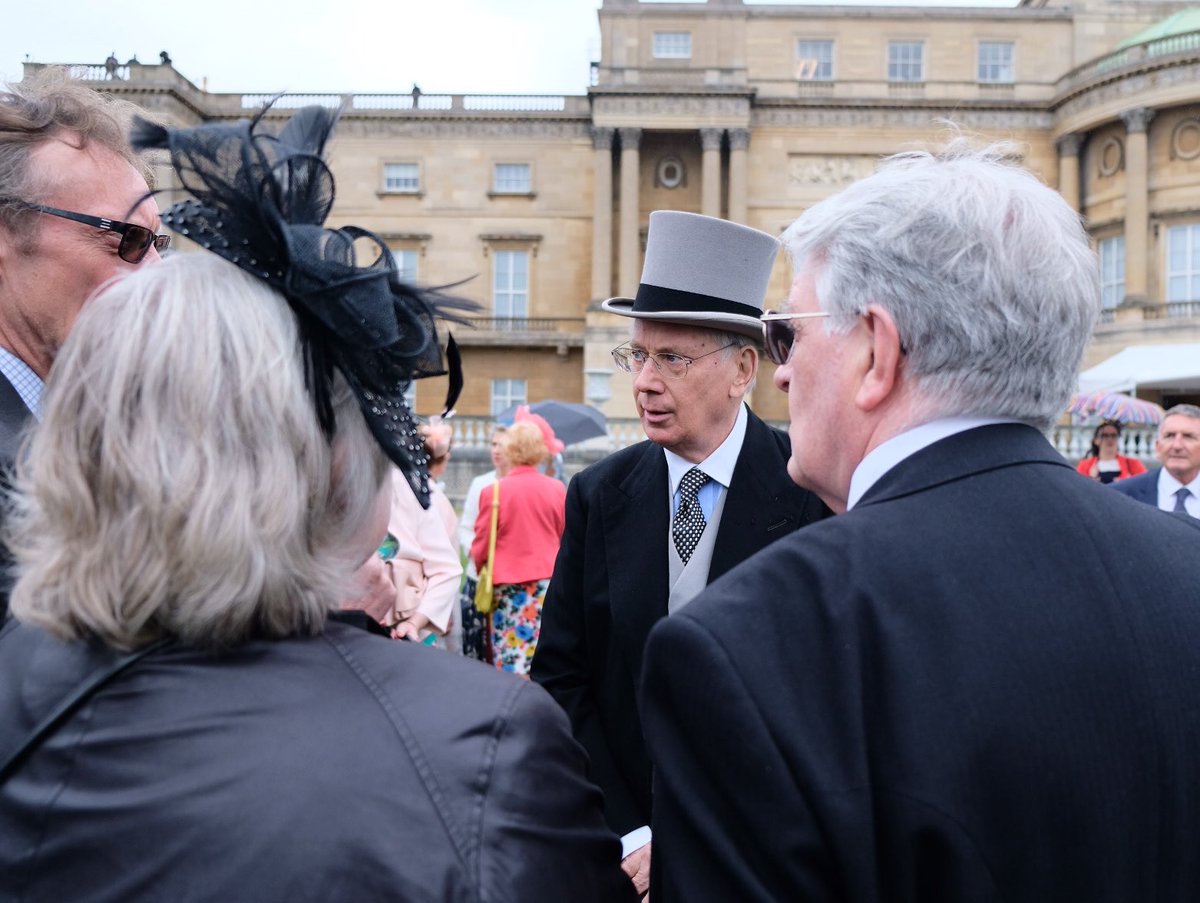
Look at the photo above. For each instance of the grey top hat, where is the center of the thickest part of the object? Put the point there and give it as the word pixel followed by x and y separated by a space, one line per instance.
pixel 702 271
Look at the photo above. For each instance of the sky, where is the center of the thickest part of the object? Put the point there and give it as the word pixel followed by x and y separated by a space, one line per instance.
pixel 364 46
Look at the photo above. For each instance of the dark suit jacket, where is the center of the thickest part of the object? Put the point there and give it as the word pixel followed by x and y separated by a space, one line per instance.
pixel 978 685
pixel 610 586
pixel 14 418
pixel 340 767
pixel 1143 487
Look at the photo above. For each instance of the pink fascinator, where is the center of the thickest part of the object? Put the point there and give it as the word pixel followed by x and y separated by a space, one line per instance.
pixel 553 444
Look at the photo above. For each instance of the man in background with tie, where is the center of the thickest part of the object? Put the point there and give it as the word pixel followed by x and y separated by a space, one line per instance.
pixel 1175 486
pixel 648 527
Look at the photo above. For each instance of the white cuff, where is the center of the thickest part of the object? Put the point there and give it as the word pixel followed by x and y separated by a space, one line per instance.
pixel 635 840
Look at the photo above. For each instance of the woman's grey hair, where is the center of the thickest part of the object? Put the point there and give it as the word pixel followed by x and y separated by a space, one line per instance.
pixel 987 273
pixel 179 484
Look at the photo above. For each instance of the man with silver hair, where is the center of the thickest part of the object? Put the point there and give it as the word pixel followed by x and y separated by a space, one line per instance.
pixel 1175 486
pixel 954 690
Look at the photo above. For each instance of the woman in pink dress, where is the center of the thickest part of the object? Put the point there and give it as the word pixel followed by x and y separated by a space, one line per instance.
pixel 530 522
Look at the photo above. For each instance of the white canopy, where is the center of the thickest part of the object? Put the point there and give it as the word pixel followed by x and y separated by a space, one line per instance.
pixel 1145 367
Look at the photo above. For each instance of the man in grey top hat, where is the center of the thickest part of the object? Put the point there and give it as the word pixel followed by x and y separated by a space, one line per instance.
pixel 648 527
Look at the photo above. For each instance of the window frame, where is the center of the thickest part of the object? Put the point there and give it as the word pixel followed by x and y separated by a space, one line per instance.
pixel 894 65
pixel 416 167
pixel 1189 272
pixel 980 63
pixel 1110 252
pixel 665 51
pixel 508 291
pixel 402 269
pixel 527 184
pixel 509 396
pixel 817 75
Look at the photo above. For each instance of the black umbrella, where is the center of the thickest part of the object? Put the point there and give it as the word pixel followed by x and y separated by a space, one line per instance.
pixel 571 421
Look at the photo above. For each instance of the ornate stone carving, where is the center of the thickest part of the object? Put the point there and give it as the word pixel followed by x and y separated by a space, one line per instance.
pixel 710 139
pixel 630 138
pixel 739 139
pixel 1069 145
pixel 602 138
pixel 1135 85
pixel 825 170
pixel 670 107
pixel 1137 120
pixel 1110 157
pixel 1185 139
pixel 670 172
pixel 922 118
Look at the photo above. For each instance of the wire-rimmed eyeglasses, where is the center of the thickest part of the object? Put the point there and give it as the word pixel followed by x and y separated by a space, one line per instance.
pixel 632 360
pixel 779 335
pixel 136 241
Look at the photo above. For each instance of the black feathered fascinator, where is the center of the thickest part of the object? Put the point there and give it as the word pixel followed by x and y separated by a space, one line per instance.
pixel 260 201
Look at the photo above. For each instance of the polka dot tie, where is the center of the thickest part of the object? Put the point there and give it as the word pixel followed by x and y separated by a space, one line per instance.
pixel 689 519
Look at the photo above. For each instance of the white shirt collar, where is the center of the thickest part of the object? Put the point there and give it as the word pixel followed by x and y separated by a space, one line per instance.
pixel 1168 486
pixel 888 454
pixel 720 464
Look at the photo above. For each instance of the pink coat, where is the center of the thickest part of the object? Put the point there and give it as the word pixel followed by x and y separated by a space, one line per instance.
pixel 531 518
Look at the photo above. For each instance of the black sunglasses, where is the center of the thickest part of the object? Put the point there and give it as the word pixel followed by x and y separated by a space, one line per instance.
pixel 136 241
pixel 779 335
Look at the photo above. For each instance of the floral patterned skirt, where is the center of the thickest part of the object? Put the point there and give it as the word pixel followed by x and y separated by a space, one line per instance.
pixel 516 623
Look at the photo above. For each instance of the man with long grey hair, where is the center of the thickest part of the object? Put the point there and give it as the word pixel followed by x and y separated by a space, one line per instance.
pixel 954 690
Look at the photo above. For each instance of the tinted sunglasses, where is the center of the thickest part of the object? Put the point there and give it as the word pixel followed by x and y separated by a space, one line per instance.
pixel 779 335
pixel 136 241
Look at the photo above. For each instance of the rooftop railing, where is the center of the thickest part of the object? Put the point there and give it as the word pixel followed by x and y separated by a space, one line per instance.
pixel 1184 44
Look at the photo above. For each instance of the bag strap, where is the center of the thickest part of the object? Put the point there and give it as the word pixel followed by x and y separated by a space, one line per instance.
pixel 70 703
pixel 495 517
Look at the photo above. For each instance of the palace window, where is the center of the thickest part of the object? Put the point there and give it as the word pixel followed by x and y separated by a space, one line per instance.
pixel 512 178
pixel 814 61
pixel 510 284
pixel 906 61
pixel 406 263
pixel 506 393
pixel 1112 271
pixel 1183 263
pixel 672 45
pixel 996 62
pixel 403 178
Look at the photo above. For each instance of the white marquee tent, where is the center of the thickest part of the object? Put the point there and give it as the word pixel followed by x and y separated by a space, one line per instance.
pixel 1172 367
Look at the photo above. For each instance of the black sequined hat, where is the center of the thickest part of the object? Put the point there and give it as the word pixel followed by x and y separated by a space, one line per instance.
pixel 260 201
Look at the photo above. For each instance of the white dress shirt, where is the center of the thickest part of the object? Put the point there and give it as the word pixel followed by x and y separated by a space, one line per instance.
pixel 888 454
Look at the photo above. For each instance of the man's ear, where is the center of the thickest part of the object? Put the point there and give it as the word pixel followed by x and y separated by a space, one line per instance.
pixel 746 358
pixel 879 381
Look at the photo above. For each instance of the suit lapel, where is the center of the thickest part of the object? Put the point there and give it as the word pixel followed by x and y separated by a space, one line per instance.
pixel 961 455
pixel 760 504
pixel 14 418
pixel 636 523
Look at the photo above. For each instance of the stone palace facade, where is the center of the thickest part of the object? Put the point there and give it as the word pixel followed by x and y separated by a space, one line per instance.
pixel 753 112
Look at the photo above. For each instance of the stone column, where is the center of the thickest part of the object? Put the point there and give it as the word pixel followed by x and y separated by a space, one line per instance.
pixel 739 142
pixel 1137 202
pixel 628 272
pixel 1068 169
pixel 710 172
pixel 602 213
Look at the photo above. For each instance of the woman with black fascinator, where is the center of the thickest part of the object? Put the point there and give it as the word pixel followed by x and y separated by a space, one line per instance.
pixel 180 715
